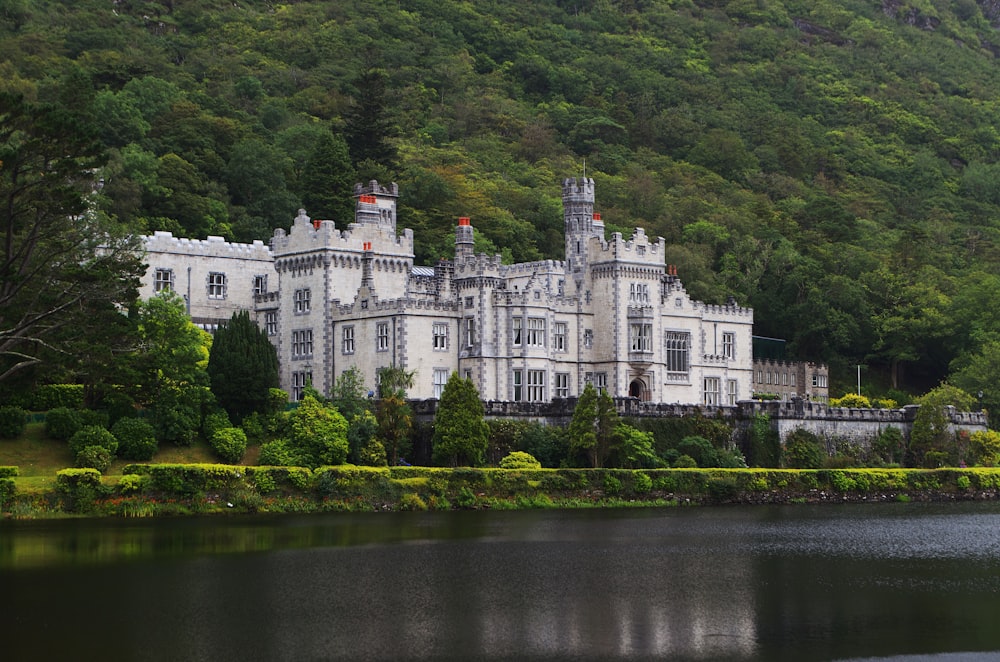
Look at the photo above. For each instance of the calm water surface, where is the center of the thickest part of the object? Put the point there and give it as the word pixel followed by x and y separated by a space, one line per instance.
pixel 748 583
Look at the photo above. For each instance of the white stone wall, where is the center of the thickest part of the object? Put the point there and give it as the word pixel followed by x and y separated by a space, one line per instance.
pixel 191 261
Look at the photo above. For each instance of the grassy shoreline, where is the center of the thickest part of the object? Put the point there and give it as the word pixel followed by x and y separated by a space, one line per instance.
pixel 177 489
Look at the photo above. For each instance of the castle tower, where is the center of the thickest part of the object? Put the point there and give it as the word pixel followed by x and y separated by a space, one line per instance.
pixel 581 222
pixel 376 206
pixel 463 239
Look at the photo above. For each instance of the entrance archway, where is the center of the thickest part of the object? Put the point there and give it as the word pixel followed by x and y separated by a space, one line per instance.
pixel 637 389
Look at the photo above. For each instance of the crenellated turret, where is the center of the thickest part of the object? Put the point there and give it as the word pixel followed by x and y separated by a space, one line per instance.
pixel 581 222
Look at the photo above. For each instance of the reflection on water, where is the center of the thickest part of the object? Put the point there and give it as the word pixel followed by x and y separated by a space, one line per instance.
pixel 768 583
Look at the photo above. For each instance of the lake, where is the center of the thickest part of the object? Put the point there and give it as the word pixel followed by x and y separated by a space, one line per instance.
pixel 830 582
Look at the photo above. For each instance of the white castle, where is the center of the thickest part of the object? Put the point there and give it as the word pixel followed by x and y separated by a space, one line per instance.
pixel 612 314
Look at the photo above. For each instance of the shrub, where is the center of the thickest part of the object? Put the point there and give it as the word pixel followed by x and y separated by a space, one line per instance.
pixel 852 400
pixel 12 422
pixel 229 444
pixel 520 460
pixel 802 450
pixel 94 457
pixel 278 453
pixel 411 501
pixel 253 427
pixel 888 446
pixel 963 482
pixel 92 417
pixel 612 485
pixel 78 489
pixel 136 439
pixel 214 422
pixel 685 462
pixel 372 454
pixel 984 448
pixel 62 423
pixel 93 435
pixel 132 484
pixel 641 482
pixel 51 396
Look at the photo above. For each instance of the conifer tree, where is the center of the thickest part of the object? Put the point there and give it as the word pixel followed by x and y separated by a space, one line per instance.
pixel 460 430
pixel 242 367
pixel 327 182
pixel 593 428
pixel 369 127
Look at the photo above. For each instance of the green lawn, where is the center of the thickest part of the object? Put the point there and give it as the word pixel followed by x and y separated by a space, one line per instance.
pixel 38 457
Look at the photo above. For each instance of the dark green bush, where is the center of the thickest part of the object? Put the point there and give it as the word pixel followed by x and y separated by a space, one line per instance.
pixel 253 427
pixel 612 485
pixel 136 439
pixel 92 417
pixel 51 396
pixel 803 450
pixel 215 421
pixel 12 422
pixel 685 462
pixel 93 435
pixel 230 444
pixel 78 489
pixel 94 457
pixel 62 423
pixel 278 453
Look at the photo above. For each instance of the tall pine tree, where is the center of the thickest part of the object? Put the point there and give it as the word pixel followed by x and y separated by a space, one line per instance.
pixel 327 182
pixel 242 366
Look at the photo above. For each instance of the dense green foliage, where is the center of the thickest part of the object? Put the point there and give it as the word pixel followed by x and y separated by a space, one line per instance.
pixel 12 422
pixel 230 444
pixel 136 439
pixel 318 433
pixel 242 367
pixel 832 164
pixel 460 430
pixel 92 435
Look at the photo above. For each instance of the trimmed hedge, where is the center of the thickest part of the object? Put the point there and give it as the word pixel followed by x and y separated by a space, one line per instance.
pixel 189 480
pixel 173 488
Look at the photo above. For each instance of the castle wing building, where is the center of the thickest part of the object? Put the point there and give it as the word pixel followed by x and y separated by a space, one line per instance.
pixel 612 314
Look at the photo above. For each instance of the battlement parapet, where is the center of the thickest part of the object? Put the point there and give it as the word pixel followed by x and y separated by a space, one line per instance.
pixel 541 267
pixel 374 188
pixel 477 264
pixel 394 306
pixel 578 189
pixel 724 310
pixel 311 235
pixel 212 246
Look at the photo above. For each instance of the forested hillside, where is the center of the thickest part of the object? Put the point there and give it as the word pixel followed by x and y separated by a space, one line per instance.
pixel 835 164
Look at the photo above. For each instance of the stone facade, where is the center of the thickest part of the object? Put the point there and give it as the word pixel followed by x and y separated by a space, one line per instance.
pixel 612 314
pixel 791 379
pixel 215 277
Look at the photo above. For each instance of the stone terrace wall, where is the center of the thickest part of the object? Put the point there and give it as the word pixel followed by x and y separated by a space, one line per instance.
pixel 859 426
